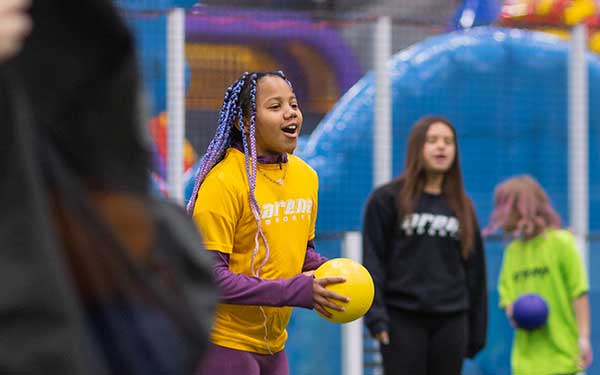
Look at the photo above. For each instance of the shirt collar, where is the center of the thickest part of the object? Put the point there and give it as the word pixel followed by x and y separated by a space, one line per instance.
pixel 263 159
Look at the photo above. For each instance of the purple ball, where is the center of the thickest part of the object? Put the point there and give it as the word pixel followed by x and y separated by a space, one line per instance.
pixel 530 311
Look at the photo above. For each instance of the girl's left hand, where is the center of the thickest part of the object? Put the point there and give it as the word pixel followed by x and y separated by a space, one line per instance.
pixel 323 298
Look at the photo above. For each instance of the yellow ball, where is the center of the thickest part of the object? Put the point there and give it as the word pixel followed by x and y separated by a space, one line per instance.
pixel 358 287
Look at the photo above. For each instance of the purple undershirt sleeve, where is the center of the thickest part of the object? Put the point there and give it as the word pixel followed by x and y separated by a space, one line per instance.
pixel 250 290
pixel 312 259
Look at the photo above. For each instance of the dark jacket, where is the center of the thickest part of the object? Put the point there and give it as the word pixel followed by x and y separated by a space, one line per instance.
pixel 416 262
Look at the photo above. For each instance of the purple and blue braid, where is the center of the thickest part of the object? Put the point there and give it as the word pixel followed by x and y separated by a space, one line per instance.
pixel 222 139
pixel 250 150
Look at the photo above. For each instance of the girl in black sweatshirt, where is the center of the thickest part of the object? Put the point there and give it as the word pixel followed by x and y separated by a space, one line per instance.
pixel 422 245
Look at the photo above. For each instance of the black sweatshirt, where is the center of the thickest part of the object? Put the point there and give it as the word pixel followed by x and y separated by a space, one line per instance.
pixel 416 262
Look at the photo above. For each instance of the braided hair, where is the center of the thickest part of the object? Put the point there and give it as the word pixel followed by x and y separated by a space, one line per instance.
pixel 239 106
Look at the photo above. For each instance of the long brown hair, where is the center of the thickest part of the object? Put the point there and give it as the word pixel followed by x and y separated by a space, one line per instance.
pixel 413 181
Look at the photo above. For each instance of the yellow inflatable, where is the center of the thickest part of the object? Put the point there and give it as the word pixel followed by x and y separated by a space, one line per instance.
pixel 546 12
pixel 554 17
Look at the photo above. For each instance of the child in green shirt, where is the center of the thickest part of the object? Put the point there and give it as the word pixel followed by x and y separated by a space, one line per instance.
pixel 542 259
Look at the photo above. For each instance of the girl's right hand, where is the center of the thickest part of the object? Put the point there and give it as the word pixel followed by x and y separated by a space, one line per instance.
pixel 509 314
pixel 322 296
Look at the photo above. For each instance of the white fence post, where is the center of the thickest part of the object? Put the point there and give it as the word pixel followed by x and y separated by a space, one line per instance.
pixel 175 102
pixel 578 139
pixel 352 333
pixel 382 113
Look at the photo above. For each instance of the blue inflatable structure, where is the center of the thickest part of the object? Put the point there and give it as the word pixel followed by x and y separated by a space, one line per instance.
pixel 505 90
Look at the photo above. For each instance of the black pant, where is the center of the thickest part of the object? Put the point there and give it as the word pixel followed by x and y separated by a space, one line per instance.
pixel 423 344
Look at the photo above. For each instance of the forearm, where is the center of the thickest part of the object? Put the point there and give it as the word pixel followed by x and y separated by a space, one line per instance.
pixel 377 318
pixel 581 306
pixel 249 290
pixel 312 260
pixel 477 285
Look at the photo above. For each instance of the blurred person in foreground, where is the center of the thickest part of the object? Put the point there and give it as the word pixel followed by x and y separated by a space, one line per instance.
pixel 422 245
pixel 542 259
pixel 99 277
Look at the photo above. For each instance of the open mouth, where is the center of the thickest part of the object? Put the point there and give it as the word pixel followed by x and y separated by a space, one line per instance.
pixel 290 129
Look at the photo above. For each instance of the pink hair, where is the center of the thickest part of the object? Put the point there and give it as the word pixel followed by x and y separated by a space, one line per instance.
pixel 522 208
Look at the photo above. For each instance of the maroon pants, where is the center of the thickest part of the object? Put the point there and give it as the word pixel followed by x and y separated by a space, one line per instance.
pixel 224 361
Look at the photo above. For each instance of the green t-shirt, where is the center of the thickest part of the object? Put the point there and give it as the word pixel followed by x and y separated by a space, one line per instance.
pixel 550 266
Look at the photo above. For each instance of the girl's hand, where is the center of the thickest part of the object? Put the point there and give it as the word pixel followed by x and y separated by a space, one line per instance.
pixel 322 296
pixel 585 353
pixel 383 337
pixel 509 314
